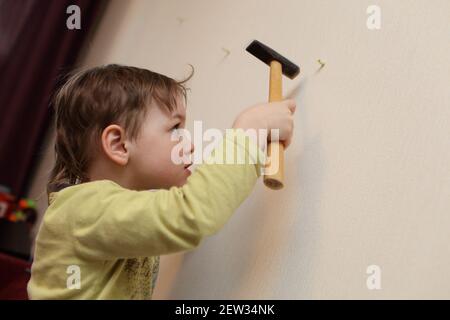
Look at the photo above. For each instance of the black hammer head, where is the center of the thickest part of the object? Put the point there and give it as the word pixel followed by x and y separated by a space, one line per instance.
pixel 267 55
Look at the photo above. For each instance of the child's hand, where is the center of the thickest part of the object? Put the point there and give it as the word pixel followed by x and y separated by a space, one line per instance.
pixel 272 115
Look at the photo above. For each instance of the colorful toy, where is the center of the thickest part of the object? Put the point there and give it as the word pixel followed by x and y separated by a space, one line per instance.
pixel 13 210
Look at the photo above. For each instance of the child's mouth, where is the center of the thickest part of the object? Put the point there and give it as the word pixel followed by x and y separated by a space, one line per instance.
pixel 188 168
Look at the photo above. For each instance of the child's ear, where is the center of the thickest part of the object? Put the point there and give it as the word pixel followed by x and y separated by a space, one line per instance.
pixel 113 144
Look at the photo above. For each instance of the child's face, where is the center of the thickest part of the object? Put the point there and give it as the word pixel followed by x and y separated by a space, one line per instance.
pixel 150 160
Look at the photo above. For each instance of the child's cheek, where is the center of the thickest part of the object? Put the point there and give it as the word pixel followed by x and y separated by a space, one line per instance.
pixel 171 148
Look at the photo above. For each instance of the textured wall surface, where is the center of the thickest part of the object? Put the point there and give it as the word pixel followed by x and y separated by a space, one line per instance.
pixel 368 171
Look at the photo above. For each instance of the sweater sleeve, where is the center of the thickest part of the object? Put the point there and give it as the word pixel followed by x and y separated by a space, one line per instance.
pixel 114 222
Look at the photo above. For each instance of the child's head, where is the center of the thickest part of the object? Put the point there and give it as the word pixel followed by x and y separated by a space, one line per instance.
pixel 117 122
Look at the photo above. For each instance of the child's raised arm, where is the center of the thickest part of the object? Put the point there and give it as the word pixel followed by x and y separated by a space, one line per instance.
pixel 110 222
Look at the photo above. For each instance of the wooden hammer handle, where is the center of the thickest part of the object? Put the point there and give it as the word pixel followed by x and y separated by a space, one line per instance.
pixel 274 170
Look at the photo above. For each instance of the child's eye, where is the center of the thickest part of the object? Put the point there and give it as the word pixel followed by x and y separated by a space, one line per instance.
pixel 175 129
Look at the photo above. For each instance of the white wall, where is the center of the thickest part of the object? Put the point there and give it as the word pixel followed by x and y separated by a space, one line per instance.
pixel 368 172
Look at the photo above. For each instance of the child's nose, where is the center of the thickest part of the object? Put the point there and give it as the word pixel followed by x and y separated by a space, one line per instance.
pixel 190 149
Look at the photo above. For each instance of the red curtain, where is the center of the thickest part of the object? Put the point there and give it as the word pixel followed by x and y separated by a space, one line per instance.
pixel 14 276
pixel 35 48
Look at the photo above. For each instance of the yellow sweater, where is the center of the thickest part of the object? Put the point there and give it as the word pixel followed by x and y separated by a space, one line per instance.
pixel 101 241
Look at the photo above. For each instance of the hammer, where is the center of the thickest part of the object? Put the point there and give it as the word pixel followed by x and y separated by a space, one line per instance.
pixel 274 179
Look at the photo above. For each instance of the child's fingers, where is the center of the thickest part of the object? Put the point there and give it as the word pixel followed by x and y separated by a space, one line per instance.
pixel 287 142
pixel 290 103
